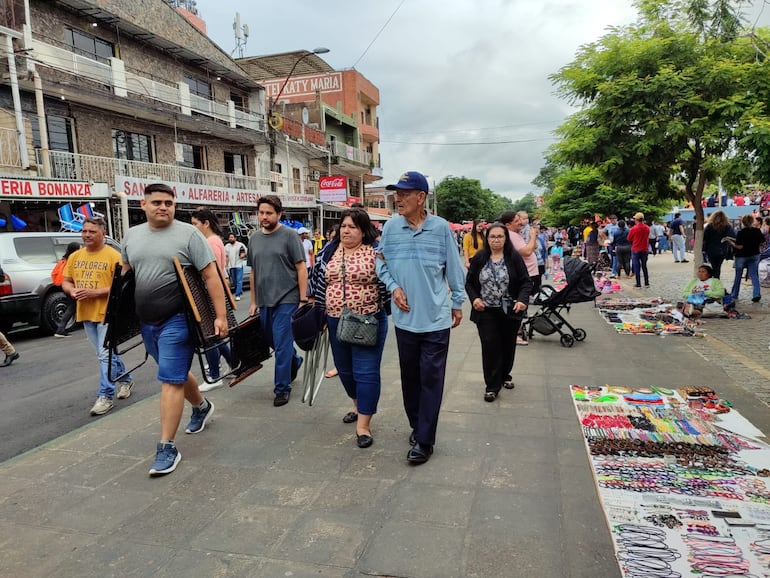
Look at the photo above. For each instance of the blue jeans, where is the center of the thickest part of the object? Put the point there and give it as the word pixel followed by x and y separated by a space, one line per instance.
pixel 236 274
pixel 171 346
pixel 752 265
pixel 678 247
pixel 359 366
pixel 213 355
pixel 639 265
pixel 276 322
pixel 95 333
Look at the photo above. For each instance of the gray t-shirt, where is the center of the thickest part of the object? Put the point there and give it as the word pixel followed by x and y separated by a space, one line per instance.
pixel 150 252
pixel 273 259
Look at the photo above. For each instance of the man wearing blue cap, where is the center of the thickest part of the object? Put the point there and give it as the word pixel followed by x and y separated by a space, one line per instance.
pixel 418 260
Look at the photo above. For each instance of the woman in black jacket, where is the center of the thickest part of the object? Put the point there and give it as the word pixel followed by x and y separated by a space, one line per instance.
pixel 498 286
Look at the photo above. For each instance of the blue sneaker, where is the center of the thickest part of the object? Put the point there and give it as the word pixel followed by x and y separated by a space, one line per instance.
pixel 199 419
pixel 166 460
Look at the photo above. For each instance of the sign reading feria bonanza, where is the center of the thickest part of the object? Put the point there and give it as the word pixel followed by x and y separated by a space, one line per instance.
pixel 36 189
pixel 333 189
pixel 209 195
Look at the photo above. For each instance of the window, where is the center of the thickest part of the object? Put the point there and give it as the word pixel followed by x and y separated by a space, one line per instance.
pixel 88 46
pixel 239 101
pixel 193 156
pixel 296 177
pixel 59 132
pixel 36 250
pixel 131 146
pixel 235 164
pixel 198 87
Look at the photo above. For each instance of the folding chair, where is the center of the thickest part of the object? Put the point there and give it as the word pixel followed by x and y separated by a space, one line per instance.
pixel 315 367
pixel 238 226
pixel 70 221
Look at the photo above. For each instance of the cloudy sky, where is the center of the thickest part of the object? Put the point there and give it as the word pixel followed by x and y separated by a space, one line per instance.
pixel 449 72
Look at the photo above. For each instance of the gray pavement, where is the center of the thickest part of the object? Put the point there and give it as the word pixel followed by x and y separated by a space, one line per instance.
pixel 267 491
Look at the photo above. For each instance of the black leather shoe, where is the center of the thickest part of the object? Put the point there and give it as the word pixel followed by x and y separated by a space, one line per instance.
pixel 295 365
pixel 350 417
pixel 9 359
pixel 419 454
pixel 364 440
pixel 412 441
pixel 281 399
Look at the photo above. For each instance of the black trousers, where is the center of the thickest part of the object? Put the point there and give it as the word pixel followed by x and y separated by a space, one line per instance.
pixel 654 245
pixel 498 346
pixel 623 253
pixel 422 357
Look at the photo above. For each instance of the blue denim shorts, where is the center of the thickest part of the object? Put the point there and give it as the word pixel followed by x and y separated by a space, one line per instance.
pixel 171 346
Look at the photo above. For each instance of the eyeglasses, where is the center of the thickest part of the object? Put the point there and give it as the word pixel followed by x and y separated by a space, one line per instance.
pixel 496 237
pixel 403 193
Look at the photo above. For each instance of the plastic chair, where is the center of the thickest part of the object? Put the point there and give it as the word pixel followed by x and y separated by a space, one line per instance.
pixel 70 221
pixel 238 226
pixel 87 211
pixel 18 223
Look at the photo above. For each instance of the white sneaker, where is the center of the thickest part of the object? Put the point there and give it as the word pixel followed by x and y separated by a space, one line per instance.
pixel 206 386
pixel 124 389
pixel 237 298
pixel 103 405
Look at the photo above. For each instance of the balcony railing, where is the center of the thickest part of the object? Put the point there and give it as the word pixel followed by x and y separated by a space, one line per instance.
pixel 72 166
pixel 120 80
pixel 9 148
pixel 351 153
pixel 301 131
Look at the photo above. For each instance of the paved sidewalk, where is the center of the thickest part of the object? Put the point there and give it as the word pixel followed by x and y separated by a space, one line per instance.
pixel 267 491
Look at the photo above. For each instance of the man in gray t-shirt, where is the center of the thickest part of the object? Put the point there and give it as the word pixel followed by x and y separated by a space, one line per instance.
pixel 149 250
pixel 278 284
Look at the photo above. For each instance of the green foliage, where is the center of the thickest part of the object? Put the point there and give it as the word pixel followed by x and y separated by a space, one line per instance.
pixel 461 199
pixel 665 106
pixel 581 192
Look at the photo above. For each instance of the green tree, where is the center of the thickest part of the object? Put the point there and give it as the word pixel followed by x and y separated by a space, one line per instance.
pixel 667 103
pixel 581 191
pixel 460 199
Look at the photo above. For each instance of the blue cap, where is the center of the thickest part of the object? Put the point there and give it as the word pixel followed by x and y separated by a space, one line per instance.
pixel 410 181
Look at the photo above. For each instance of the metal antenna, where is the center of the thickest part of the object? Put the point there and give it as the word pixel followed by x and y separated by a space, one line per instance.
pixel 241 35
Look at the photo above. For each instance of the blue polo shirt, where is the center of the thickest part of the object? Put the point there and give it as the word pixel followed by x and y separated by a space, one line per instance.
pixel 424 263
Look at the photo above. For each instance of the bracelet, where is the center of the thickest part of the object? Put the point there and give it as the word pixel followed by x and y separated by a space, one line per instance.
pixel 303 301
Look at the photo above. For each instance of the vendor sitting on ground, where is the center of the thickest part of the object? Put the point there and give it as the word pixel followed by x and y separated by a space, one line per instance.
pixel 706 293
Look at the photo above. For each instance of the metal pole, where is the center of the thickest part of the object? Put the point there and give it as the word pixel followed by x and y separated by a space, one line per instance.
pixel 41 122
pixel 21 135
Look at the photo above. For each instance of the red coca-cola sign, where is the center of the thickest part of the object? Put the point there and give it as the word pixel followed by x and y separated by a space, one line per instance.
pixel 333 189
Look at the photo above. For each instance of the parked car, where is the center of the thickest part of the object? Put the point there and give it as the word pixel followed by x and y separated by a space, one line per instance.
pixel 29 296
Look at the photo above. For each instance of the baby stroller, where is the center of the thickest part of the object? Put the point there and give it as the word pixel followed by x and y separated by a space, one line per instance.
pixel 580 288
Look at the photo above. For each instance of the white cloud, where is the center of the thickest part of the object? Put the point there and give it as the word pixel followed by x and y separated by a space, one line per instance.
pixel 443 67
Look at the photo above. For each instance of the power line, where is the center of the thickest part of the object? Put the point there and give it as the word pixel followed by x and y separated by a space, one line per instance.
pixel 469 143
pixel 523 124
pixel 378 33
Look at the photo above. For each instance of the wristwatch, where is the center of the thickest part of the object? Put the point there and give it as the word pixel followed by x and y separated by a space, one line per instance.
pixel 303 301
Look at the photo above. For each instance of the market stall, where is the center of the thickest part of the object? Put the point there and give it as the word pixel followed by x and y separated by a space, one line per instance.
pixel 682 478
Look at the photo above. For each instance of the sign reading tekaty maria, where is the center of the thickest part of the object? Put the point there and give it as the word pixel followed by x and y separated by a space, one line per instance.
pixel 302 86
pixel 333 189
pixel 209 195
pixel 11 188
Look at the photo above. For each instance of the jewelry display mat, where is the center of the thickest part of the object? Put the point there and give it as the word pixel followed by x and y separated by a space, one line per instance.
pixel 683 480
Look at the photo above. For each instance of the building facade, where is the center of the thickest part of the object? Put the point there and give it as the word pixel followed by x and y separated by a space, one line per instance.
pixel 342 104
pixel 122 94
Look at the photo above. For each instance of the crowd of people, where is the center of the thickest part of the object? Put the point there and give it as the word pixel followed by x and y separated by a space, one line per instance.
pixel 414 274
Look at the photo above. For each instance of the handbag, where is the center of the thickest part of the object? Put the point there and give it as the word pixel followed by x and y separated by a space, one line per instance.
pixel 356 328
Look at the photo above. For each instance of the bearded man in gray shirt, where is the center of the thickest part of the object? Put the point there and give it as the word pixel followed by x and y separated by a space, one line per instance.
pixel 278 286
